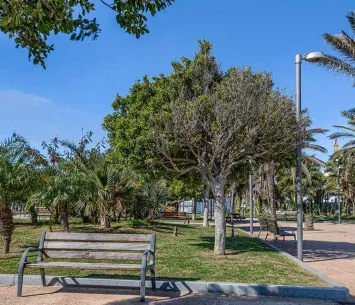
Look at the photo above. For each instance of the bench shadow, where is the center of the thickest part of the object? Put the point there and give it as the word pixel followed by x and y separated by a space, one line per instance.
pixel 168 288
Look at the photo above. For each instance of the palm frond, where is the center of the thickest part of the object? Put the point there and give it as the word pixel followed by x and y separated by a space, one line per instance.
pixel 338 135
pixel 351 18
pixel 344 127
pixel 316 147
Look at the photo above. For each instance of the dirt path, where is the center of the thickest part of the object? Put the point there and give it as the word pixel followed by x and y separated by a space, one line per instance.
pixel 330 248
pixel 72 296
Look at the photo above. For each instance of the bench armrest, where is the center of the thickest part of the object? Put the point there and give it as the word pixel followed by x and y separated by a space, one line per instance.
pixel 23 260
pixel 145 261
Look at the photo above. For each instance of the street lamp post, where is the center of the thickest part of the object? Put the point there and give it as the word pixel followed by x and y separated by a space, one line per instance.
pixel 338 182
pixel 251 202
pixel 310 57
pixel 336 148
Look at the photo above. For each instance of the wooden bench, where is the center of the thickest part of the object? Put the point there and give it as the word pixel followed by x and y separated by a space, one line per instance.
pixel 286 213
pixel 93 246
pixel 175 215
pixel 236 216
pixel 273 228
pixel 42 211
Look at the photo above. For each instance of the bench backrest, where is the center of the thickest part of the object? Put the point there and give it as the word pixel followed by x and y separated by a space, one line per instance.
pixel 272 226
pixel 100 246
pixel 43 211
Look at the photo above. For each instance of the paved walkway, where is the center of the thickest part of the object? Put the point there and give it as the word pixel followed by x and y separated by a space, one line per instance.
pixel 330 248
pixel 34 295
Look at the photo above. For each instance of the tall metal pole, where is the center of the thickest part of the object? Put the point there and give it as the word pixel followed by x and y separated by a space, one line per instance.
pixel 299 163
pixel 251 199
pixel 339 204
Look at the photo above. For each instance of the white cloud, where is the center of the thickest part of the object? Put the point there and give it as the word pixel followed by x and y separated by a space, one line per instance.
pixel 39 119
pixel 15 96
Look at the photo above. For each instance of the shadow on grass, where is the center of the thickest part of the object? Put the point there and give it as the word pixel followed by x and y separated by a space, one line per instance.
pixel 238 244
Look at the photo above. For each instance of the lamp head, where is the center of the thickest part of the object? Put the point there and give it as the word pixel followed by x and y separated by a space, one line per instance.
pixel 314 57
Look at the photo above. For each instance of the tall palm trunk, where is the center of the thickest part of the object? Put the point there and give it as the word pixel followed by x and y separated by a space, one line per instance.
pixel 271 189
pixel 64 215
pixel 6 226
pixel 193 209
pixel 105 221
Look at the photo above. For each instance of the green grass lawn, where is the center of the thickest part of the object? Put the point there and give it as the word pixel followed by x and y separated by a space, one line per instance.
pixel 188 256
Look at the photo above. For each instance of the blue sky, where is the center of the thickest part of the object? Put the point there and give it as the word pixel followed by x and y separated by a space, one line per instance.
pixel 83 78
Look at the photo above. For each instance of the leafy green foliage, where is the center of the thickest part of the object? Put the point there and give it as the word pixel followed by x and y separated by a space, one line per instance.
pixel 31 23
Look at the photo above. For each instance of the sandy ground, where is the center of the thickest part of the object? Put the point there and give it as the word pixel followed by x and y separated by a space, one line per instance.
pixel 330 248
pixel 33 295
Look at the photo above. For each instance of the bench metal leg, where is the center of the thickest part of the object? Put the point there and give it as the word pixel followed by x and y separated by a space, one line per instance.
pixel 43 277
pixel 152 274
pixel 267 234
pixel 142 285
pixel 275 239
pixel 20 280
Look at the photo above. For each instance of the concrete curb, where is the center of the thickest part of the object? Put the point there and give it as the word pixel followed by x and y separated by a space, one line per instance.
pixel 316 272
pixel 240 289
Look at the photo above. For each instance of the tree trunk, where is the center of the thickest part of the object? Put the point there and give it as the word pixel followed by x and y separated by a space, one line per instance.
pixel 193 209
pixel 240 199
pixel 6 226
pixel 205 207
pixel 219 216
pixel 56 215
pixel 64 216
pixel 105 221
pixel 150 217
pixel 354 208
pixel 33 215
pixel 232 208
pixel 271 189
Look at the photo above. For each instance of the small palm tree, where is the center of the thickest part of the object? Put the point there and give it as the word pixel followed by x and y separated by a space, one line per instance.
pixel 154 196
pixel 110 188
pixel 345 45
pixel 16 172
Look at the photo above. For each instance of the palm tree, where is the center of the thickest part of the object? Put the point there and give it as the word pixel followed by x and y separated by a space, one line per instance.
pixel 154 195
pixel 267 171
pixel 347 132
pixel 345 45
pixel 110 187
pixel 64 188
pixel 15 180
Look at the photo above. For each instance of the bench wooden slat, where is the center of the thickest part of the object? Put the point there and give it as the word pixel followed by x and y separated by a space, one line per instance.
pixel 84 266
pixel 97 237
pixel 94 246
pixel 93 255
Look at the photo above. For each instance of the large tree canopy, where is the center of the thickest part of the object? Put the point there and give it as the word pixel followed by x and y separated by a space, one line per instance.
pixel 202 119
pixel 31 22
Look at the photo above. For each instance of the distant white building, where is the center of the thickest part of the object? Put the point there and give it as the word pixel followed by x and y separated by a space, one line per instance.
pixel 187 206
